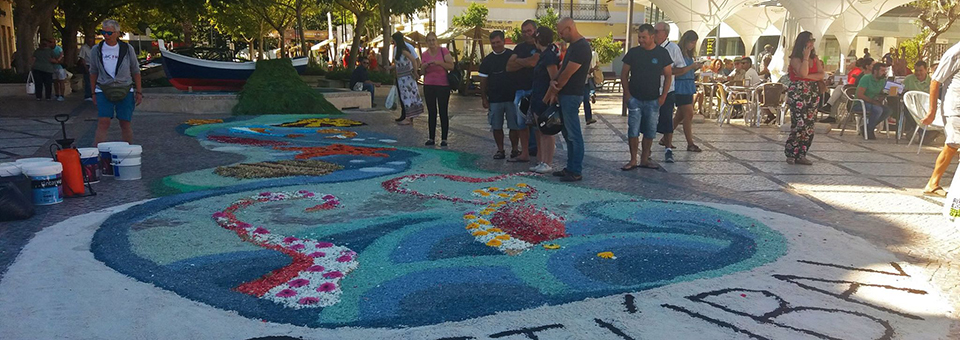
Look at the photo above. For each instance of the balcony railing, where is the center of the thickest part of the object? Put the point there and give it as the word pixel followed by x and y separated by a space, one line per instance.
pixel 591 12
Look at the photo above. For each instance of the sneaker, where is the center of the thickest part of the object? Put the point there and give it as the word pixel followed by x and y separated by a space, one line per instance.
pixel 826 109
pixel 668 156
pixel 443 143
pixel 545 168
pixel 88 99
pixel 570 177
pixel 535 167
pixel 59 98
pixel 429 142
pixel 561 173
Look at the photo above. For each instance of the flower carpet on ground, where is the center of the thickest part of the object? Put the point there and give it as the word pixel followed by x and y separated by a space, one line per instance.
pixel 407 243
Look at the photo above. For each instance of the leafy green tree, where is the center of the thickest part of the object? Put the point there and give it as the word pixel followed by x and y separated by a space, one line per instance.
pixel 364 10
pixel 474 16
pixel 935 18
pixel 549 19
pixel 242 22
pixel 389 8
pixel 607 49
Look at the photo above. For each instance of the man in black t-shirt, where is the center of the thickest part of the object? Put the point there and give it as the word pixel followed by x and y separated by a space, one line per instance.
pixel 497 92
pixel 643 92
pixel 361 76
pixel 567 89
pixel 525 56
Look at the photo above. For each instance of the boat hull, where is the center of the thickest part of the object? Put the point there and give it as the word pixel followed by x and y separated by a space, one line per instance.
pixel 191 74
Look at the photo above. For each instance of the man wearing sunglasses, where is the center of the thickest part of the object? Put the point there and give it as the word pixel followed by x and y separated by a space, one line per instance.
pixel 115 76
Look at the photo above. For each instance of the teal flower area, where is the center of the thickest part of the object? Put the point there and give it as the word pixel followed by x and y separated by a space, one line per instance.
pixel 428 243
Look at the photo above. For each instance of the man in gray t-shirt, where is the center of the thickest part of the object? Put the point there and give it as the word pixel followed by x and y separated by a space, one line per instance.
pixel 946 76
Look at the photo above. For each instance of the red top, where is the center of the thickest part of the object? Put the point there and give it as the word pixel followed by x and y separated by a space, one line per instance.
pixel 814 68
pixel 853 76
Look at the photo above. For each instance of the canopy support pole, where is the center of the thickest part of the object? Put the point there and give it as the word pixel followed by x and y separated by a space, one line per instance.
pixel 627 44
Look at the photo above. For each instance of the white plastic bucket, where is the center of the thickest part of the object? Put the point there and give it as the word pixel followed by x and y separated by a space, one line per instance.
pixel 25 161
pixel 10 170
pixel 46 181
pixel 128 169
pixel 106 169
pixel 126 162
pixel 90 163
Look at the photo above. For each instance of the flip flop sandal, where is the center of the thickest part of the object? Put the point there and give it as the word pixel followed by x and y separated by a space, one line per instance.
pixel 499 155
pixel 515 160
pixel 694 148
pixel 938 192
pixel 653 166
pixel 514 154
pixel 629 167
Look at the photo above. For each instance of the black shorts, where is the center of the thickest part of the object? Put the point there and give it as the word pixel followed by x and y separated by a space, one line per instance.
pixel 684 99
pixel 665 123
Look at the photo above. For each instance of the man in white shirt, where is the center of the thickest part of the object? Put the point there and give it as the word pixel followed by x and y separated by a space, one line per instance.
pixel 665 124
pixel 947 73
pixel 750 75
pixel 84 56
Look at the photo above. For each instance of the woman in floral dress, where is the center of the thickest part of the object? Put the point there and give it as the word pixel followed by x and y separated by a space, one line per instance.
pixel 803 96
pixel 407 88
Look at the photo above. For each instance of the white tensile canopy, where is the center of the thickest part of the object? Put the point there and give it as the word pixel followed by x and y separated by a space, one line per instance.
pixel 749 18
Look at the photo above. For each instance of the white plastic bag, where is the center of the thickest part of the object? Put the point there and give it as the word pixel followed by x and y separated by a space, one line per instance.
pixel 31 85
pixel 951 205
pixel 358 86
pixel 391 102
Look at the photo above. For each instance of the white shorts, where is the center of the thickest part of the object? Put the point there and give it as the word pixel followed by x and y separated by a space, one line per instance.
pixel 952 131
pixel 60 74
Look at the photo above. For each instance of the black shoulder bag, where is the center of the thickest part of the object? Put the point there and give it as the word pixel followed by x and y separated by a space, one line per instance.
pixel 454 76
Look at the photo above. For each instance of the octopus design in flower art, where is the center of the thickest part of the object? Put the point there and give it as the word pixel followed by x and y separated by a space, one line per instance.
pixel 312 278
pixel 506 222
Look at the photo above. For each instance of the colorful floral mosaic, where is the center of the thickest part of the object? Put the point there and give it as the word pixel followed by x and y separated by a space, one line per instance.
pixel 338 133
pixel 274 169
pixel 307 152
pixel 313 278
pixel 323 122
pixel 195 122
pixel 245 141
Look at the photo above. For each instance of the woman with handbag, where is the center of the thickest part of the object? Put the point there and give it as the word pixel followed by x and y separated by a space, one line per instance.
pixel 546 69
pixel 115 77
pixel 436 62
pixel 405 63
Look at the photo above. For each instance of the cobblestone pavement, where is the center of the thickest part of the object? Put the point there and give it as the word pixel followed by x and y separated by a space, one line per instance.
pixel 869 189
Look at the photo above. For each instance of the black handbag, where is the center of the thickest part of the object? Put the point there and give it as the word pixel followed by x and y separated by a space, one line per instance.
pixel 455 76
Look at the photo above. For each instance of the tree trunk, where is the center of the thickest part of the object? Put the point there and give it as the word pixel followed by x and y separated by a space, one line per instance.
pixel 355 45
pixel 260 48
pixel 386 27
pixel 70 48
pixel 45 25
pixel 27 20
pixel 283 43
pixel 187 32
pixel 304 50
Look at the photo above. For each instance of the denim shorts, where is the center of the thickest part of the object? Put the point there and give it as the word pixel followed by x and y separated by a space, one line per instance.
pixel 508 110
pixel 642 117
pixel 123 110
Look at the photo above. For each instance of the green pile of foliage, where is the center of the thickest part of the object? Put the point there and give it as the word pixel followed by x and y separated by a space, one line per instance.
pixel 276 88
pixel 314 69
pixel 339 73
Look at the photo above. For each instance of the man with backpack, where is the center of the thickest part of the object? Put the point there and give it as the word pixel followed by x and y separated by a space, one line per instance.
pixel 115 77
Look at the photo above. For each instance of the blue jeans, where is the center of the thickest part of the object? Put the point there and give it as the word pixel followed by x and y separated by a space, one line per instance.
pixel 369 88
pixel 519 98
pixel 642 116
pixel 570 111
pixel 123 110
pixel 876 114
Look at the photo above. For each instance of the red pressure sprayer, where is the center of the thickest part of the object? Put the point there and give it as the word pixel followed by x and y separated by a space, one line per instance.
pixel 69 157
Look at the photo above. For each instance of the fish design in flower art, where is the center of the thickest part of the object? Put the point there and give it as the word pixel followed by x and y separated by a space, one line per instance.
pixel 506 222
pixel 312 278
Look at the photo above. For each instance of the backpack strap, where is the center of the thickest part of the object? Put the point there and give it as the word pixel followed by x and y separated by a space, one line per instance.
pixel 124 49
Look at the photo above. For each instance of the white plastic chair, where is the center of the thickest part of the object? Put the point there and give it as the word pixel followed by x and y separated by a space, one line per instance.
pixel 918 104
pixel 850 94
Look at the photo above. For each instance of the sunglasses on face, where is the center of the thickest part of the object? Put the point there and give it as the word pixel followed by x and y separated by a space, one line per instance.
pixel 106 33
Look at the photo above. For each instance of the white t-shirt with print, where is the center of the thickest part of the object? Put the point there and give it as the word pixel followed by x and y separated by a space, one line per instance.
pixel 678 61
pixel 948 74
pixel 110 56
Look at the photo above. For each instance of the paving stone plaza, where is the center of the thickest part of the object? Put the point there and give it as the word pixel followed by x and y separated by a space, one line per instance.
pixel 389 239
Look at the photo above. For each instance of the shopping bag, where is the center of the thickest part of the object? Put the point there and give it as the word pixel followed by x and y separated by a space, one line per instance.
pixel 391 102
pixel 31 86
pixel 951 206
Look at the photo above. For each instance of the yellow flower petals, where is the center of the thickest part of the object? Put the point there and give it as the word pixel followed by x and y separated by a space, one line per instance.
pixel 469 217
pixel 495 230
pixel 483 221
pixel 473 226
pixel 551 246
pixel 606 255
pixel 522 185
pixel 503 195
pixel 494 243
pixel 479 233
pixel 503 237
pixel 493 188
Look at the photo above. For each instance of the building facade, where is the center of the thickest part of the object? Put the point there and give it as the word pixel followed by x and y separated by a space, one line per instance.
pixel 7 38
